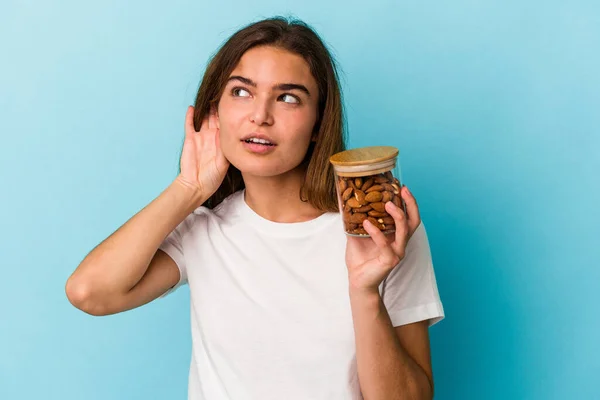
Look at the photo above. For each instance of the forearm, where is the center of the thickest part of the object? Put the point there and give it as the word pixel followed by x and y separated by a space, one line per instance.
pixel 385 369
pixel 120 261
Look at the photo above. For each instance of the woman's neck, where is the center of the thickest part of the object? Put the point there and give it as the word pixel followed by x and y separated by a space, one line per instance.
pixel 277 198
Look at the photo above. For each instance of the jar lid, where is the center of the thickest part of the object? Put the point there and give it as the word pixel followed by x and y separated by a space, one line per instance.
pixel 364 156
pixel 364 160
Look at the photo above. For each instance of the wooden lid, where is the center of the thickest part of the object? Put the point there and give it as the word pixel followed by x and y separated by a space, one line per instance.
pixel 364 156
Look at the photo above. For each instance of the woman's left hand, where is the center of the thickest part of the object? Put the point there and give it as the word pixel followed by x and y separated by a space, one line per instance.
pixel 370 260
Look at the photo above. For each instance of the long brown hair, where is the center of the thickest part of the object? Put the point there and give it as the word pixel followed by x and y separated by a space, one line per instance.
pixel 297 37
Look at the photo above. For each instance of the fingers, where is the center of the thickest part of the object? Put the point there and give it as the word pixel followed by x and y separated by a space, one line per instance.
pixel 210 120
pixel 387 255
pixel 189 121
pixel 412 210
pixel 401 235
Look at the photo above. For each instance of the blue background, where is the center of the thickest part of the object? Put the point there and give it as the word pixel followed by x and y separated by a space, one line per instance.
pixel 494 106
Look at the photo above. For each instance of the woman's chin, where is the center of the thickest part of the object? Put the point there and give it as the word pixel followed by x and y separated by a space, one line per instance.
pixel 261 169
pixel 260 172
pixel 265 167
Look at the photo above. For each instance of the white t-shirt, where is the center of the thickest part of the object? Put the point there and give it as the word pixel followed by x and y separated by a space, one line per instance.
pixel 270 311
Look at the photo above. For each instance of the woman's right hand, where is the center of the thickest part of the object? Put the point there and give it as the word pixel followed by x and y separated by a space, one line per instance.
pixel 203 165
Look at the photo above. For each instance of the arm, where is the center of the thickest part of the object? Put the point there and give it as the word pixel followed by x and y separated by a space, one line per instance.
pixel 126 270
pixel 393 363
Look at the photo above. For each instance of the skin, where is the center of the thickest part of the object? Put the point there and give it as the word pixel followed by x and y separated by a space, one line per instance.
pixel 273 180
pixel 393 362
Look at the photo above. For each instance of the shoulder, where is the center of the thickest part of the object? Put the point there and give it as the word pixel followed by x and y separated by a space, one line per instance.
pixel 198 221
pixel 419 239
pixel 228 207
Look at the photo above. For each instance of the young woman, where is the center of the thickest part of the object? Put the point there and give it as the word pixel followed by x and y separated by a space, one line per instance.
pixel 284 305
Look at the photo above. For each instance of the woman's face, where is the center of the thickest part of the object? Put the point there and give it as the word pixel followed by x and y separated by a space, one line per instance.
pixel 271 96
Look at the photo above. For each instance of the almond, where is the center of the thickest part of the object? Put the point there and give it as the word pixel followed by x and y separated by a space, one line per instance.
pixel 347 194
pixel 347 215
pixel 386 196
pixel 359 195
pixel 358 182
pixel 364 209
pixel 352 202
pixel 369 182
pixel 387 187
pixel 375 223
pixel 358 218
pixel 387 221
pixel 343 185
pixel 373 197
pixel 376 188
pixel 378 214
pixel 378 207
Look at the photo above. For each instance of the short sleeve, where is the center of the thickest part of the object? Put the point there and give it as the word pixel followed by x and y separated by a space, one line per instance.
pixel 410 291
pixel 173 245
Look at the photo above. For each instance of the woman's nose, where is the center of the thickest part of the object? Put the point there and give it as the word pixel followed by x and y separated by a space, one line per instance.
pixel 261 114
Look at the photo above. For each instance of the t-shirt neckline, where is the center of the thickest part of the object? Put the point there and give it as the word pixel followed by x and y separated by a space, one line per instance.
pixel 288 229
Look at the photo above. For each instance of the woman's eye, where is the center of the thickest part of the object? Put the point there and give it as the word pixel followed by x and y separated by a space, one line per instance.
pixel 240 92
pixel 288 98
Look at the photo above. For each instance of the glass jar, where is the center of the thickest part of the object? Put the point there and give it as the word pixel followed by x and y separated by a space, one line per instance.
pixel 366 178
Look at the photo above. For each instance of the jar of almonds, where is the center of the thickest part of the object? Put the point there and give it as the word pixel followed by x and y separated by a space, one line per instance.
pixel 367 178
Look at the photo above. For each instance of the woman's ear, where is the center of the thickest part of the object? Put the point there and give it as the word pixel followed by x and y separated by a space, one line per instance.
pixel 214 110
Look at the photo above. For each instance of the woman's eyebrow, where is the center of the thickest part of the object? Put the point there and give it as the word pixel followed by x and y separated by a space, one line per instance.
pixel 292 86
pixel 279 86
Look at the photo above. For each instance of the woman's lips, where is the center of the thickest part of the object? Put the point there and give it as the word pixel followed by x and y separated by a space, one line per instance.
pixel 261 136
pixel 258 148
